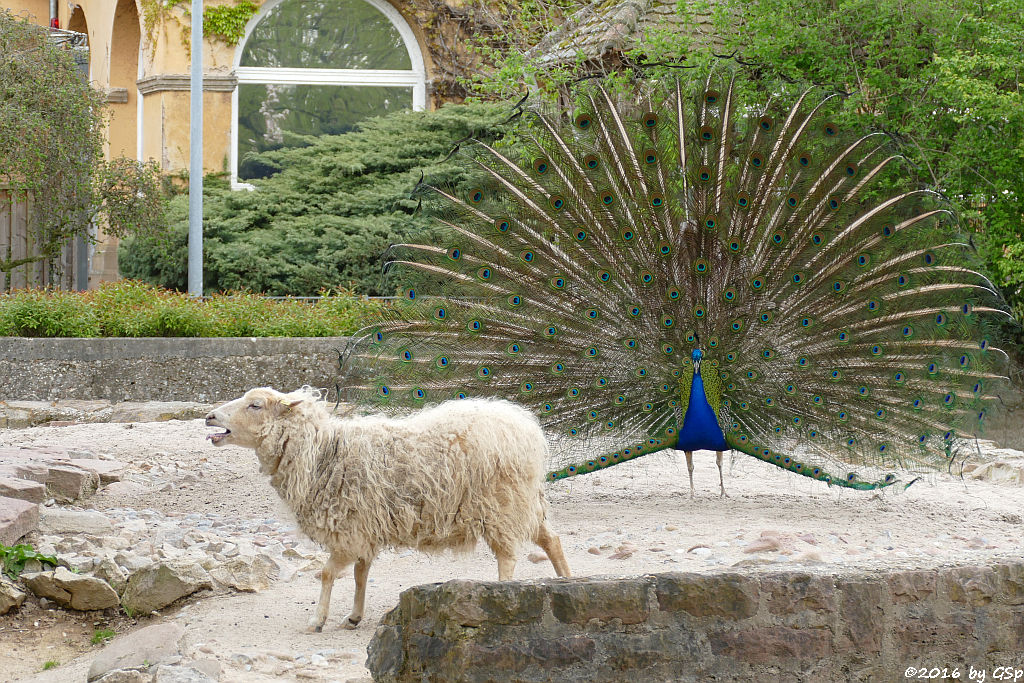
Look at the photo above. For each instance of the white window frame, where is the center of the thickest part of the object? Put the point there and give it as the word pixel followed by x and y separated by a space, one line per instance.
pixel 415 78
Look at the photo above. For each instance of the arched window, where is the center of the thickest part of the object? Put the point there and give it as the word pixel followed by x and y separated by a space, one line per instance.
pixel 317 67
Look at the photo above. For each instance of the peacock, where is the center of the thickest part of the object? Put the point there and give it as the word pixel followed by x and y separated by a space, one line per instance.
pixel 684 263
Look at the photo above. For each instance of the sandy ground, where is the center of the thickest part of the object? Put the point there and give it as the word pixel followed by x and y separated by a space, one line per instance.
pixel 631 519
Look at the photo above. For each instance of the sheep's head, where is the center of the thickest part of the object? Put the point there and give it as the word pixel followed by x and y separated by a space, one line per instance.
pixel 248 420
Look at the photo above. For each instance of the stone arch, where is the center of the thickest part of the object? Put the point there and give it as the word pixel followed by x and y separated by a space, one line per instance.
pixel 77 21
pixel 124 72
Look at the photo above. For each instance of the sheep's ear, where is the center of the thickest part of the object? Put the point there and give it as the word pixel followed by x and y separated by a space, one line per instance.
pixel 290 402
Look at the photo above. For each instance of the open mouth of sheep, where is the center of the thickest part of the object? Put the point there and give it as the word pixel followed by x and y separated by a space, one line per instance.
pixel 217 438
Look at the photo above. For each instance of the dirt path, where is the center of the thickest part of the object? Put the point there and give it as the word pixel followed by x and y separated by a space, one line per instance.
pixel 634 518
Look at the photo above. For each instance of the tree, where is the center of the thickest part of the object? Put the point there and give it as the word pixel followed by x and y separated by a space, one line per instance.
pixel 324 214
pixel 944 78
pixel 51 149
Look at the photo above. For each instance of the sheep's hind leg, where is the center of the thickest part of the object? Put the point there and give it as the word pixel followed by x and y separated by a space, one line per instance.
pixel 362 570
pixel 327 577
pixel 550 543
pixel 506 565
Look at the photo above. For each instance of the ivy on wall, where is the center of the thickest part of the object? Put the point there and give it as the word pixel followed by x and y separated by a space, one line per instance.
pixel 227 22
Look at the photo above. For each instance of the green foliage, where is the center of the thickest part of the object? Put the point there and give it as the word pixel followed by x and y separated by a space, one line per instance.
pixel 51 148
pixel 325 215
pixel 227 22
pixel 50 664
pixel 13 558
pixel 136 309
pixel 943 78
pixel 102 635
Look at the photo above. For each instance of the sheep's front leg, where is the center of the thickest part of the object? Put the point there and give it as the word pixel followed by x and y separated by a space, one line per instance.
pixel 328 575
pixel 362 570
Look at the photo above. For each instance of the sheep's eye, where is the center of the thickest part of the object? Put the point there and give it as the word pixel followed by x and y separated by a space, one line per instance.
pixel 255 406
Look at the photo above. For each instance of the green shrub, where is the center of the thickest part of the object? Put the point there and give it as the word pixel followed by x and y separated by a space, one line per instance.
pixel 136 309
pixel 41 313
pixel 325 213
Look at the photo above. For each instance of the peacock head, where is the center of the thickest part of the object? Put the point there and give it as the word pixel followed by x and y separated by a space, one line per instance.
pixel 697 355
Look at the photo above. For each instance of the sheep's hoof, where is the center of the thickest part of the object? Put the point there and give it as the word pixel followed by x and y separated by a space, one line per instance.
pixel 351 623
pixel 315 626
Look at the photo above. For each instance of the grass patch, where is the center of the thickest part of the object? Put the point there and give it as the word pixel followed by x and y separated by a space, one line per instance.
pixel 134 309
pixel 50 664
pixel 102 635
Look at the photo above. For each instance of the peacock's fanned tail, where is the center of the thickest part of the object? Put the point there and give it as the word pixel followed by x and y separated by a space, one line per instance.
pixel 844 325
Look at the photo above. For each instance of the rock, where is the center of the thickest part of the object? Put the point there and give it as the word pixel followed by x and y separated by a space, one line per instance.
pixel 124 488
pixel 158 585
pixel 108 471
pixel 22 489
pixel 210 667
pixel 125 676
pixel 180 674
pixel 72 590
pixel 112 574
pixel 62 521
pixel 140 649
pixel 245 573
pixel 157 412
pixel 68 482
pixel 10 595
pixel 17 518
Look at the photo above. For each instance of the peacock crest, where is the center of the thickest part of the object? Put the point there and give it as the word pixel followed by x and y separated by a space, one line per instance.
pixel 685 248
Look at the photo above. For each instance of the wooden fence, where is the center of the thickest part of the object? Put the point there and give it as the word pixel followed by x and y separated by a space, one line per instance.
pixel 16 242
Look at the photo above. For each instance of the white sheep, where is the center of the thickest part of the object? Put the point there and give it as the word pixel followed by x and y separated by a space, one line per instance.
pixel 440 479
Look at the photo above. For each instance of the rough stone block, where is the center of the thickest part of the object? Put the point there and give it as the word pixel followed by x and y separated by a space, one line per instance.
pixel 158 585
pixel 726 596
pixel 912 586
pixel 472 603
pixel 68 482
pixel 862 616
pixel 17 518
pixel 63 521
pixel 1011 580
pixel 576 603
pixel 22 489
pixel 10 595
pixel 140 649
pixel 768 645
pixel 798 592
pixel 972 585
pixel 108 471
pixel 72 590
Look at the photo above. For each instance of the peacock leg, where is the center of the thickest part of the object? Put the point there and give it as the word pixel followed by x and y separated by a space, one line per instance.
pixel 689 468
pixel 721 480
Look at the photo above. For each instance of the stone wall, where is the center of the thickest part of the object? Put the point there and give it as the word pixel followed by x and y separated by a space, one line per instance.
pixel 791 626
pixel 155 369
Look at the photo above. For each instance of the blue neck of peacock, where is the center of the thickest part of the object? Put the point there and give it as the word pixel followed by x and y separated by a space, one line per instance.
pixel 697 355
pixel 700 428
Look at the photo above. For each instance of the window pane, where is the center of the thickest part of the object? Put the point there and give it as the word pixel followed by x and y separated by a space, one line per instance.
pixel 326 34
pixel 270 116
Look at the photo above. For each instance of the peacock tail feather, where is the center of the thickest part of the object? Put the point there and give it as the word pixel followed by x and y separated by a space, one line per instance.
pixel 845 329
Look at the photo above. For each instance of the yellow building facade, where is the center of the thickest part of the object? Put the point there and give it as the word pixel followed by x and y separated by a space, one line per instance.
pixel 299 67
